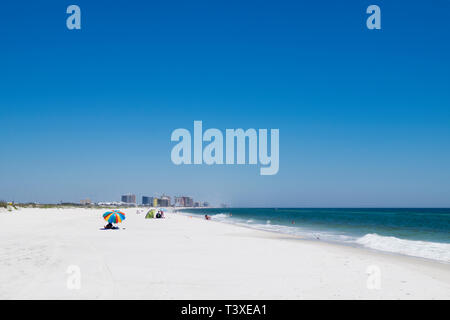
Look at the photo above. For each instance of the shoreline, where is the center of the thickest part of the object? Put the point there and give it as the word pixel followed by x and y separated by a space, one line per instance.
pixel 188 258
pixel 411 247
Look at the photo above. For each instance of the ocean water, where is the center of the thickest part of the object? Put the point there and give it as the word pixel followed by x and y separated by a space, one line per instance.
pixel 422 233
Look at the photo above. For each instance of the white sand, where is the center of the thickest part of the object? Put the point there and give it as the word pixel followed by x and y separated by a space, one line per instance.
pixel 189 258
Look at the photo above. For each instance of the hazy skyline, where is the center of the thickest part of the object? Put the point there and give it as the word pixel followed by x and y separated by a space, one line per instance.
pixel 363 114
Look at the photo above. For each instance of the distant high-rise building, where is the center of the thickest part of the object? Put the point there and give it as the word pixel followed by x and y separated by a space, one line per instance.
pixel 205 204
pixel 155 202
pixel 196 204
pixel 188 202
pixel 179 202
pixel 129 198
pixel 147 200
pixel 165 201
pixel 184 202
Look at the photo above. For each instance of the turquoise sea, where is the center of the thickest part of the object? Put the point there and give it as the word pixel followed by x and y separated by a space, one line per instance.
pixel 417 232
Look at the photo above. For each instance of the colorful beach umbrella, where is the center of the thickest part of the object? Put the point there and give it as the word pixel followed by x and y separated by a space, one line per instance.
pixel 114 216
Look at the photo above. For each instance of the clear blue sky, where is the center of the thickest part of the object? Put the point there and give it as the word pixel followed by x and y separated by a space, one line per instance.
pixel 364 116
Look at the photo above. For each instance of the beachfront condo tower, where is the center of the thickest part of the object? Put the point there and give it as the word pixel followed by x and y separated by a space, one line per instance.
pixel 129 198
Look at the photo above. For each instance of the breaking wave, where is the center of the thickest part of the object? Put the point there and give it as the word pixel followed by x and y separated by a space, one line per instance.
pixel 423 249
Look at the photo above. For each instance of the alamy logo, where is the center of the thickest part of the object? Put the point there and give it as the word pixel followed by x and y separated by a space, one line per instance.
pixel 74 278
pixel 74 20
pixel 374 277
pixel 374 20
pixel 213 153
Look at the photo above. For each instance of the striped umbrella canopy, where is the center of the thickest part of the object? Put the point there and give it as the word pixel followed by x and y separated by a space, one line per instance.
pixel 114 216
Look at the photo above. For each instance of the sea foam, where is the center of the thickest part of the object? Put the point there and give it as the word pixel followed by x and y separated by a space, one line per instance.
pixel 423 249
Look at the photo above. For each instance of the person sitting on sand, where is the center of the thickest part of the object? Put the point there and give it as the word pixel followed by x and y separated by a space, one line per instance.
pixel 158 215
pixel 109 226
pixel 207 217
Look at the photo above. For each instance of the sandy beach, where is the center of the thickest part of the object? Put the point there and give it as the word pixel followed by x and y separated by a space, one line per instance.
pixel 189 258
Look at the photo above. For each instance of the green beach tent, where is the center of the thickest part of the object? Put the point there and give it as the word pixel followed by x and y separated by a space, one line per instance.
pixel 150 214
